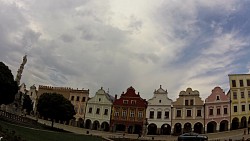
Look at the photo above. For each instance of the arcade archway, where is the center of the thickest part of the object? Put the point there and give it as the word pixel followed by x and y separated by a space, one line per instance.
pixel 211 127
pixel 88 124
pixel 165 129
pixel 177 129
pixel 152 128
pixel 198 128
pixel 105 126
pixel 120 127
pixel 243 122
pixel 224 125
pixel 96 125
pixel 187 127
pixel 235 123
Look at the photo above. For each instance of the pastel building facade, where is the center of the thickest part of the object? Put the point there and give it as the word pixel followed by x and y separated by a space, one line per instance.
pixel 188 113
pixel 77 97
pixel 129 113
pixel 158 113
pixel 98 111
pixel 217 111
pixel 240 100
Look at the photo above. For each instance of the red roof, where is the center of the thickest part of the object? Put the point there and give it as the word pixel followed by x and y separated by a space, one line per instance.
pixel 129 96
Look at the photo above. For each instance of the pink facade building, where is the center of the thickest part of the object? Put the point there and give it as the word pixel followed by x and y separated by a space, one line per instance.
pixel 217 111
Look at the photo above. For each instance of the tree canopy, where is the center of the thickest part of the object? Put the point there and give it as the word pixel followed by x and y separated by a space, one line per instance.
pixel 8 86
pixel 55 107
pixel 27 104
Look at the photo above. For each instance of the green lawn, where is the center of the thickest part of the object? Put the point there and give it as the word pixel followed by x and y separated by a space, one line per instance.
pixel 45 135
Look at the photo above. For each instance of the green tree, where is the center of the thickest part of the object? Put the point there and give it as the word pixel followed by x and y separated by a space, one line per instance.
pixel 27 103
pixel 8 87
pixel 55 107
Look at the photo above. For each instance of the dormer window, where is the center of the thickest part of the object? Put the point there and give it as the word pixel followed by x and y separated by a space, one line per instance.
pixel 217 97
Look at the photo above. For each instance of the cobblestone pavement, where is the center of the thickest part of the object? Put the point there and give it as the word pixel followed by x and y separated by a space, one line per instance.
pixel 222 136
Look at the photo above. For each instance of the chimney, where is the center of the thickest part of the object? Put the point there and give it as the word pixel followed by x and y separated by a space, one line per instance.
pixel 115 96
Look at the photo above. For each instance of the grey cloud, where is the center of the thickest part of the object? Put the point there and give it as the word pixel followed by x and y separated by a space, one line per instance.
pixel 67 38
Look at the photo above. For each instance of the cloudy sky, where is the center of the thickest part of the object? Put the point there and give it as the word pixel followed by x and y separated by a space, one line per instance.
pixel 116 44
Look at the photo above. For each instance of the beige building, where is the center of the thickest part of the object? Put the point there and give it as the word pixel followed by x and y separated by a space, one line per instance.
pixel 240 100
pixel 188 113
pixel 77 97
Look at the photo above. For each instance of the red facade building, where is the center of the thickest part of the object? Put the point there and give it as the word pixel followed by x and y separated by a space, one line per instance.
pixel 129 112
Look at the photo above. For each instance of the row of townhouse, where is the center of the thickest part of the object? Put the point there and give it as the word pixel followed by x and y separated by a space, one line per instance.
pixel 160 115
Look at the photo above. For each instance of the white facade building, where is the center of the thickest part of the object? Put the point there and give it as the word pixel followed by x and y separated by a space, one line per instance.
pixel 98 111
pixel 158 113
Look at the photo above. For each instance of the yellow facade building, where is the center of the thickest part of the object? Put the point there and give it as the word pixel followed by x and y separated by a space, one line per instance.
pixel 240 100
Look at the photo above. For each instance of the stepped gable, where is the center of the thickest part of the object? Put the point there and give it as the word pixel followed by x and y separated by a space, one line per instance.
pixel 131 95
pixel 217 91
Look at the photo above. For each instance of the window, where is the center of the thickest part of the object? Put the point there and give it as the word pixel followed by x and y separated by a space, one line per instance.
pixel 235 108
pixel 125 101
pixel 191 102
pixel 241 83
pixel 186 102
pixel 77 98
pixel 217 97
pixel 178 114
pixel 198 113
pixel 242 95
pixel 159 115
pixel 248 82
pixel 90 110
pixel 225 111
pixel 72 98
pixel 159 101
pixel 124 113
pixel 233 83
pixel 235 95
pixel 116 114
pixel 243 108
pixel 106 112
pixel 140 114
pixel 166 115
pixel 83 99
pixel 211 112
pixel 249 107
pixel 218 111
pixel 151 114
pixel 133 102
pixel 248 94
pixel 132 114
pixel 99 99
pixel 98 111
pixel 189 113
pixel 31 93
